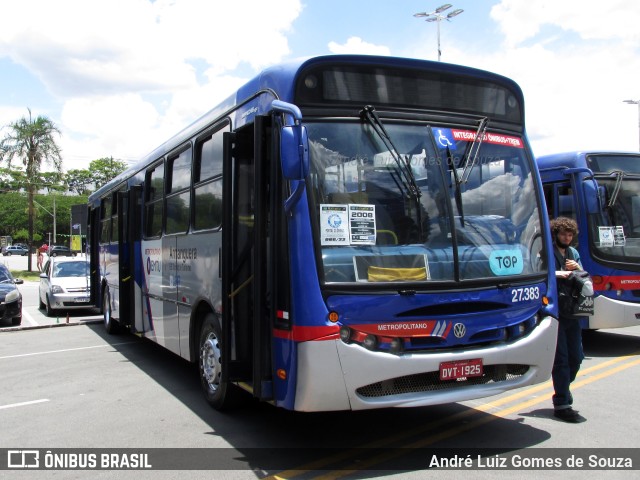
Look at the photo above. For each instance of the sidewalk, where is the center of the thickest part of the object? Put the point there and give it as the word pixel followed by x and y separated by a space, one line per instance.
pixel 60 322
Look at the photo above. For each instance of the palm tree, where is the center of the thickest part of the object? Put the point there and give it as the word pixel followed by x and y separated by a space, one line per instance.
pixel 31 140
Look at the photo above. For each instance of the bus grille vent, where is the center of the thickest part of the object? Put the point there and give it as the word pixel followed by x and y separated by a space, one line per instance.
pixel 430 381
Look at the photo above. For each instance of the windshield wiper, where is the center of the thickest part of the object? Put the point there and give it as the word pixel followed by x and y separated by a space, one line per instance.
pixel 409 181
pixel 617 187
pixel 458 192
pixel 474 150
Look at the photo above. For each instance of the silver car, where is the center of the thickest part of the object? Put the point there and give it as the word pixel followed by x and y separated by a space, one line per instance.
pixel 14 250
pixel 64 285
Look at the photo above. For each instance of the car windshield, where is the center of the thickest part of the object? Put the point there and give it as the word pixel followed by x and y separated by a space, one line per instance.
pixel 70 269
pixel 466 219
pixel 5 277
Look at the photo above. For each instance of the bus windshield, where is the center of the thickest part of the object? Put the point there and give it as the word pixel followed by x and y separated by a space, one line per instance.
pixel 616 233
pixel 430 212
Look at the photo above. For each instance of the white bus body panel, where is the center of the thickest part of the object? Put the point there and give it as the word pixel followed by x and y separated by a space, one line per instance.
pixel 611 313
pixel 327 382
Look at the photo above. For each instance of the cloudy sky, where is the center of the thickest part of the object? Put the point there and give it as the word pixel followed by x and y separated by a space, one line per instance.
pixel 120 76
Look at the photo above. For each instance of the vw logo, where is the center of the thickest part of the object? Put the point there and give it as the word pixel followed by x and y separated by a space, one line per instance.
pixel 459 330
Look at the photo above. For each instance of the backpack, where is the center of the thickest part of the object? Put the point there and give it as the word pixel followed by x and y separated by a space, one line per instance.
pixel 575 293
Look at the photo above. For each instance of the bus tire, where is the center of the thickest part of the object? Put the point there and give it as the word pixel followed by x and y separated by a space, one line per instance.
pixel 220 395
pixel 110 324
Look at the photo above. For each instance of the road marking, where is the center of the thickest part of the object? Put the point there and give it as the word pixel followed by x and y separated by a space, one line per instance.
pixel 454 430
pixel 26 316
pixel 22 404
pixel 65 350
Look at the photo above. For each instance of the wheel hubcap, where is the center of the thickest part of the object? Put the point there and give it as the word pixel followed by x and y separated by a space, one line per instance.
pixel 107 310
pixel 211 361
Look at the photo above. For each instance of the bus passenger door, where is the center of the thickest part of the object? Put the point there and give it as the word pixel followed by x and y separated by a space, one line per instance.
pixel 93 247
pixel 246 314
pixel 128 232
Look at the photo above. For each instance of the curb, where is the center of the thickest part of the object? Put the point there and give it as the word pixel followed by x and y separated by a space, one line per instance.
pixel 52 325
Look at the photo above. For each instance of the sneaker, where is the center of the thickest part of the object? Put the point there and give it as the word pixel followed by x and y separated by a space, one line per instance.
pixel 568 415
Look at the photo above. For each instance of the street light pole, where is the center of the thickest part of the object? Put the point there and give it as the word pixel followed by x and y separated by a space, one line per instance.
pixel 54 218
pixel 437 16
pixel 636 102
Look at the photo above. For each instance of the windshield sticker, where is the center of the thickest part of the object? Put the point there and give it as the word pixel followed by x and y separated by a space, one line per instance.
pixel 352 224
pixel 334 225
pixel 489 137
pixel 444 138
pixel 506 262
pixel 611 236
pixel 362 224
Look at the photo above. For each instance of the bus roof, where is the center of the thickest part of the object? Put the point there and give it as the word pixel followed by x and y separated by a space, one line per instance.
pixel 279 81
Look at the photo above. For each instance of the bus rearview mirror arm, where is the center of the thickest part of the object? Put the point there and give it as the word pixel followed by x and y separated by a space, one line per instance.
pixel 594 204
pixel 294 150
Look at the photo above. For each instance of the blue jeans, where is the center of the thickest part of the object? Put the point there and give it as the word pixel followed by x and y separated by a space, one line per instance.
pixel 567 361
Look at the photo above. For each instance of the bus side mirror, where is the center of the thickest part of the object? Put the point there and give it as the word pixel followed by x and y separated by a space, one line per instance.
pixel 294 152
pixel 594 196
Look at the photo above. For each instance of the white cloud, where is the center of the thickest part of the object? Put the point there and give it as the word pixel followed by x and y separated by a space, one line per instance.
pixel 573 95
pixel 117 124
pixel 109 61
pixel 355 45
pixel 573 88
pixel 84 47
pixel 590 19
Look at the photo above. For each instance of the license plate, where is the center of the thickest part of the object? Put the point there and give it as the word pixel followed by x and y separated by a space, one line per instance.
pixel 81 299
pixel 461 369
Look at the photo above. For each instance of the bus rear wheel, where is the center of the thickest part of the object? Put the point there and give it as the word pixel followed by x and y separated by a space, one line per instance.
pixel 218 393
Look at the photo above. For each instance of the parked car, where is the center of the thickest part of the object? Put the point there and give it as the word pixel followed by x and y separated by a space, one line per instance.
pixel 15 250
pixel 61 250
pixel 64 285
pixel 10 297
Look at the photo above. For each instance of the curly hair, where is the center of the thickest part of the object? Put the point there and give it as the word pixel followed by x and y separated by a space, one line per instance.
pixel 564 224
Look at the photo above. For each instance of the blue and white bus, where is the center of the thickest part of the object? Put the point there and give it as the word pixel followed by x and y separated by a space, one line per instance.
pixel 344 232
pixel 601 191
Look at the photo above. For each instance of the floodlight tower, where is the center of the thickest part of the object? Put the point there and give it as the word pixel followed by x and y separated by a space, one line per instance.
pixel 437 16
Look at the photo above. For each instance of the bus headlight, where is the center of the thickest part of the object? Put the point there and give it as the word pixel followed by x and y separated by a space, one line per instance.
pixel 345 334
pixel 396 344
pixel 370 342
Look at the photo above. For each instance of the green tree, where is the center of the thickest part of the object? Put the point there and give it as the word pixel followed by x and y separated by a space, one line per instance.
pixel 79 181
pixel 13 212
pixel 52 181
pixel 31 141
pixel 12 180
pixel 104 170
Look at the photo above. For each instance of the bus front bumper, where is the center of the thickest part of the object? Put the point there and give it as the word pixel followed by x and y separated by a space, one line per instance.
pixel 612 313
pixel 333 375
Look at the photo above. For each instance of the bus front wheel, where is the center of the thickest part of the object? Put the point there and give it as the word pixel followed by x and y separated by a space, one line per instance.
pixel 110 324
pixel 218 393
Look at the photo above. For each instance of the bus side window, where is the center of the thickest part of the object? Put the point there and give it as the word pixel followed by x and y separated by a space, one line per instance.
pixel 153 210
pixel 114 219
pixel 566 207
pixel 178 192
pixel 105 232
pixel 208 181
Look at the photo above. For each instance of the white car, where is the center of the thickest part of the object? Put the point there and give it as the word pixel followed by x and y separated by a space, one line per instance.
pixel 64 285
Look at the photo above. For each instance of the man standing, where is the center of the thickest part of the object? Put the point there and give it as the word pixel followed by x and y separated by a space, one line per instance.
pixel 569 352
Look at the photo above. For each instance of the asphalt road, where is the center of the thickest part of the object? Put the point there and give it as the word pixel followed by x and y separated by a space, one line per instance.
pixel 76 387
